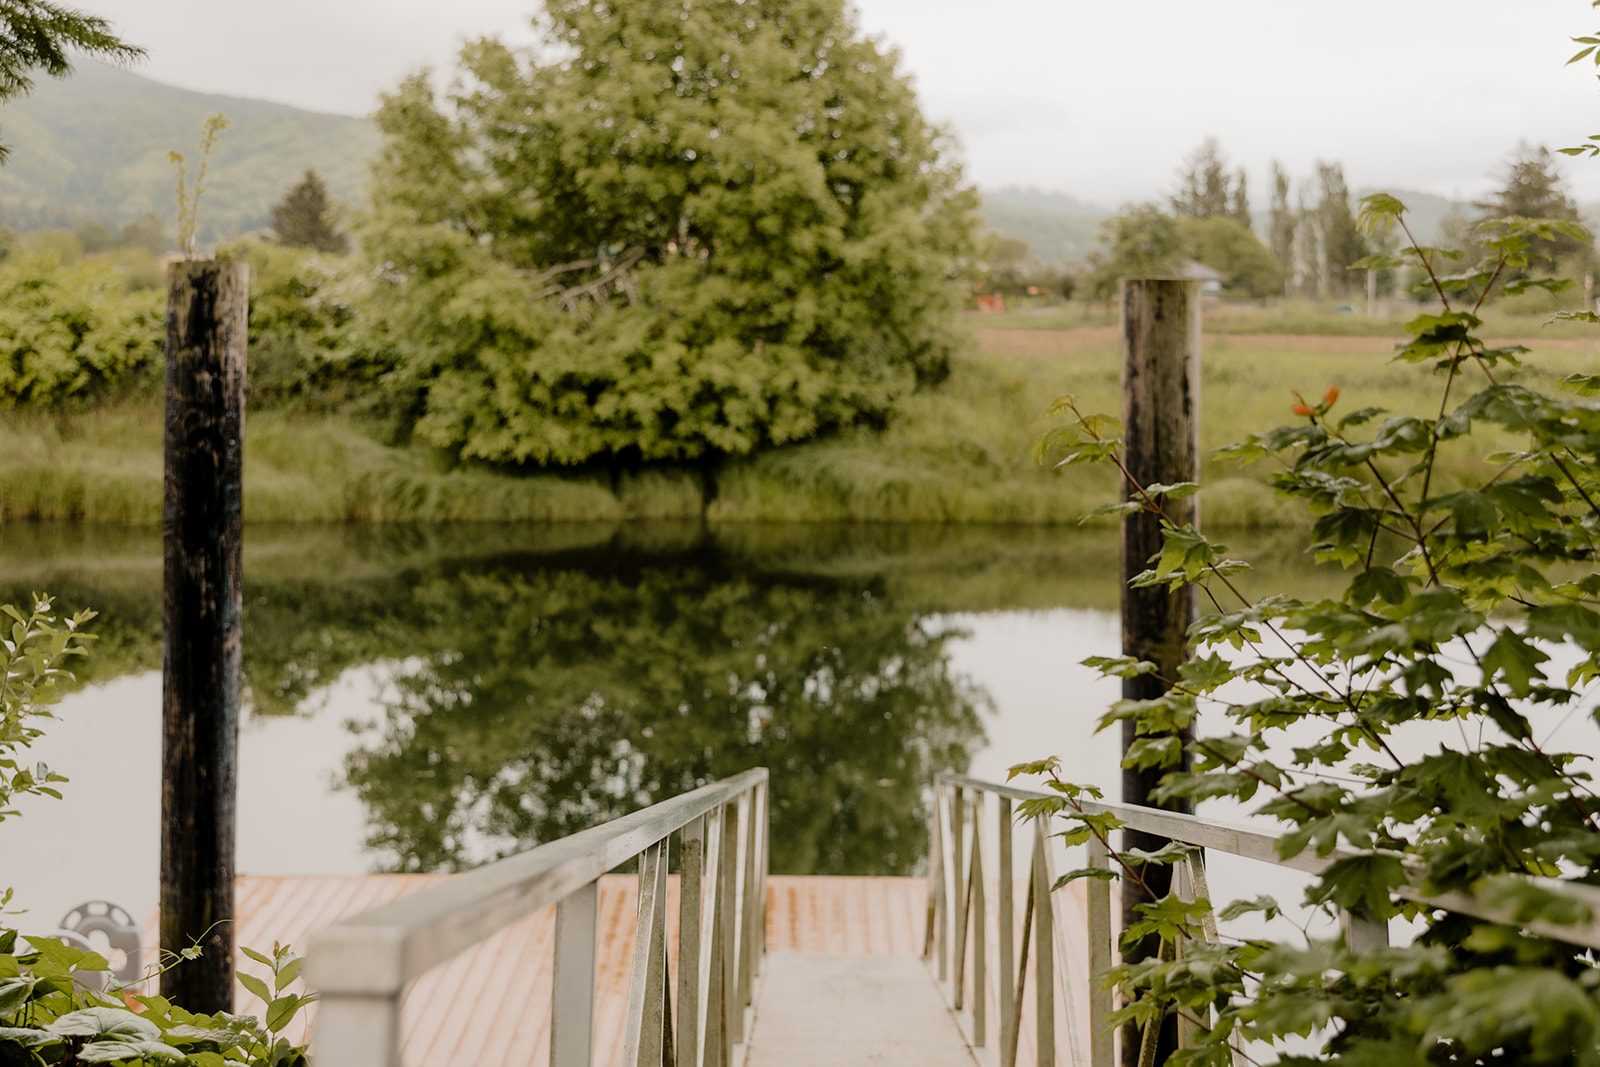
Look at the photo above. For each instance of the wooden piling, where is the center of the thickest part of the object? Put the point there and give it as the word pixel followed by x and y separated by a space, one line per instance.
pixel 207 302
pixel 1161 428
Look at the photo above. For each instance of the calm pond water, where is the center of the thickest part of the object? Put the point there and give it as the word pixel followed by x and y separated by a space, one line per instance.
pixel 428 699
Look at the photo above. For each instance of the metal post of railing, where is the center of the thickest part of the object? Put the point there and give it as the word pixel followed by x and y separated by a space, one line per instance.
pixel 1362 933
pixel 359 1031
pixel 1044 966
pixel 717 1051
pixel 759 922
pixel 749 910
pixel 958 940
pixel 934 861
pixel 732 1006
pixel 753 911
pixel 649 1021
pixel 1006 933
pixel 691 867
pixel 962 900
pixel 572 1000
pixel 938 922
pixel 1102 1046
pixel 980 943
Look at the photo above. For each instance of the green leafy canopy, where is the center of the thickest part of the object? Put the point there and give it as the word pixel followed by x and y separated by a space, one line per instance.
pixel 703 229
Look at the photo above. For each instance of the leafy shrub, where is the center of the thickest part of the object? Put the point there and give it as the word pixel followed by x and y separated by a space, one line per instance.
pixel 72 333
pixel 1476 607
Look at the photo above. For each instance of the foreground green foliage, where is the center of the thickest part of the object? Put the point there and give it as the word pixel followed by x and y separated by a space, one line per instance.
pixel 52 1012
pixel 58 1004
pixel 70 334
pixel 34 657
pixel 705 230
pixel 1431 721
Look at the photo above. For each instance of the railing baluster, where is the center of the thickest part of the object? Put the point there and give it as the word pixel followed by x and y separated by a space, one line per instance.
pixel 1183 885
pixel 1102 1047
pixel 1010 1051
pixel 1064 972
pixel 359 1031
pixel 572 998
pixel 732 1008
pixel 647 1008
pixel 763 862
pixel 958 942
pixel 691 867
pixel 1362 933
pixel 1044 967
pixel 980 940
pixel 717 1052
pixel 1008 888
pixel 748 909
pixel 938 941
pixel 646 1023
pixel 752 904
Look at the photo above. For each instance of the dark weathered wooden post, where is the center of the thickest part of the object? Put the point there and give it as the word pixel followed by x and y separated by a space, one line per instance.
pixel 207 303
pixel 1161 427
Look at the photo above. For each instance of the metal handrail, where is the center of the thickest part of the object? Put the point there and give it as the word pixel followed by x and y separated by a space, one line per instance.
pixel 362 965
pixel 956 877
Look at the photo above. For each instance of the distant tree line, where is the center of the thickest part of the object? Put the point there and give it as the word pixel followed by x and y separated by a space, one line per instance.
pixel 1311 233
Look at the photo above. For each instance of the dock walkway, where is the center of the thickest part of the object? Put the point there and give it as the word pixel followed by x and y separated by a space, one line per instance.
pixel 843 982
pixel 852 1011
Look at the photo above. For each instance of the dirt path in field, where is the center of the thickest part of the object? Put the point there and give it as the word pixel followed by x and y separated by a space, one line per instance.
pixel 1091 340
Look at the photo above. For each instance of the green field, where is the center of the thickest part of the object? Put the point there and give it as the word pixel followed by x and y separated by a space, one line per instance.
pixel 958 453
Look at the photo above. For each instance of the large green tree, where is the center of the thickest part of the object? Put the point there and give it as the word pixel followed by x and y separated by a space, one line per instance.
pixel 1140 241
pixel 675 230
pixel 36 35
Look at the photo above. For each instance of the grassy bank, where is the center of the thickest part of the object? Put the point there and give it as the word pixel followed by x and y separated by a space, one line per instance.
pixel 959 453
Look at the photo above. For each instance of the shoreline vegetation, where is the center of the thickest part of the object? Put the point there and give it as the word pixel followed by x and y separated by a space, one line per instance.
pixel 960 452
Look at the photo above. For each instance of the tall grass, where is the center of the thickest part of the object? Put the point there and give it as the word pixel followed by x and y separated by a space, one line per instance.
pixel 958 453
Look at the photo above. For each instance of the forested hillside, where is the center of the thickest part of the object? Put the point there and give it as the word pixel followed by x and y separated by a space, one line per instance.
pixel 94 146
pixel 1054 226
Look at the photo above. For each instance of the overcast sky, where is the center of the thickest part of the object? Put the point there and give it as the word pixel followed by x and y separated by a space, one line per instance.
pixel 1101 100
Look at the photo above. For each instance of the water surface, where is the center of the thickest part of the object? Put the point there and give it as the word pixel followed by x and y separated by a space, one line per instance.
pixel 428 699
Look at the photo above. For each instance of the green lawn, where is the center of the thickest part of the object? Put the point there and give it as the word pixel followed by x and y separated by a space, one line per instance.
pixel 959 453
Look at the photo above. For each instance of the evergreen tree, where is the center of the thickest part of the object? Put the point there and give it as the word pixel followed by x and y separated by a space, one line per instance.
pixel 1532 188
pixel 1203 189
pixel 1339 240
pixel 1240 209
pixel 302 219
pixel 1282 227
pixel 39 35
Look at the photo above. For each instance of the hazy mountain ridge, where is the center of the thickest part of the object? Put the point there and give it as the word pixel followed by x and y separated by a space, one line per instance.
pixel 94 146
pixel 1055 226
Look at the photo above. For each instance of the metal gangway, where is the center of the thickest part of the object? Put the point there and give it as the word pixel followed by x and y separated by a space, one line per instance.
pixel 993 982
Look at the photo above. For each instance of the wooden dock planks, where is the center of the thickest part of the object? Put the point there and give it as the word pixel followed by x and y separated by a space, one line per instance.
pixel 490 1006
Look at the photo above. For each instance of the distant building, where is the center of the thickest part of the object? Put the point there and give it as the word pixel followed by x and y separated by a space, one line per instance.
pixel 1210 278
pixel 991 302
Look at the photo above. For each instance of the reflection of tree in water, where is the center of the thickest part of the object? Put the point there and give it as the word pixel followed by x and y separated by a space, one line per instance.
pixel 566 698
